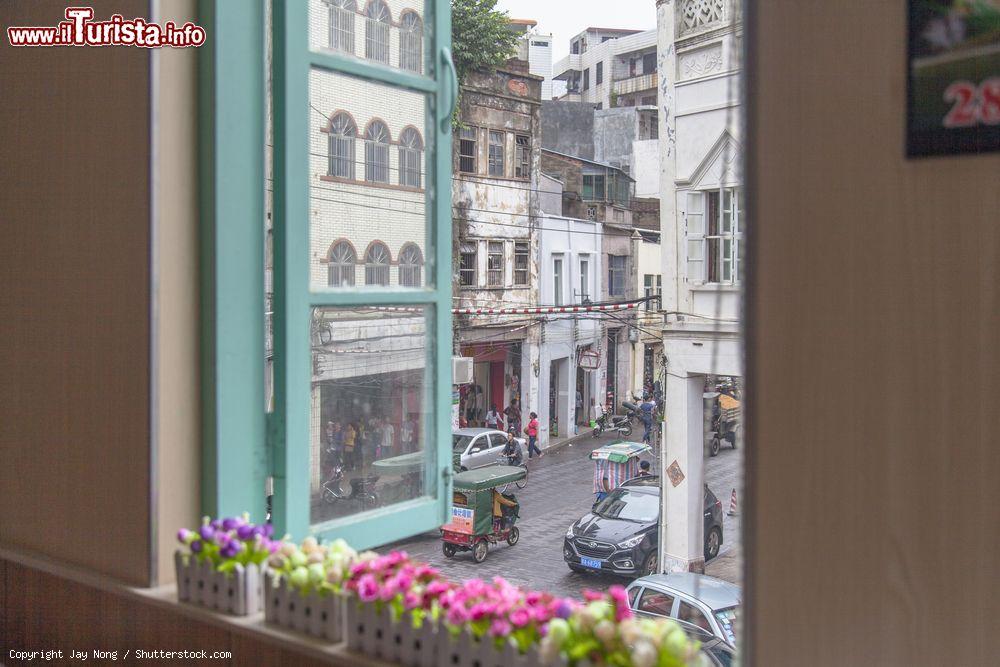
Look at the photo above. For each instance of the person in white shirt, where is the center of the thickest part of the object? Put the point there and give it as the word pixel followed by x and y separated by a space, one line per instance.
pixel 493 418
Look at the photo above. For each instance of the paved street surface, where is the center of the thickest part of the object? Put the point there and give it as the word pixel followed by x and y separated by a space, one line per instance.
pixel 560 491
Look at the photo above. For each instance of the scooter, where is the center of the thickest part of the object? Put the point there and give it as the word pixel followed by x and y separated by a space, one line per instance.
pixel 361 489
pixel 622 424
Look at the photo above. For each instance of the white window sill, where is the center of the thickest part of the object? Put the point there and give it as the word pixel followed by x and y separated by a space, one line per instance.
pixel 716 287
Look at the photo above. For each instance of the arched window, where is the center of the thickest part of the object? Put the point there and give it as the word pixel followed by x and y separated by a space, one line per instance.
pixel 340 266
pixel 377 264
pixel 342 133
pixel 377 152
pixel 377 20
pixel 411 150
pixel 342 14
pixel 411 42
pixel 410 261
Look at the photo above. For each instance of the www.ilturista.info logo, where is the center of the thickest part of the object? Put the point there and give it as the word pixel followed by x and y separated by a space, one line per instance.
pixel 80 30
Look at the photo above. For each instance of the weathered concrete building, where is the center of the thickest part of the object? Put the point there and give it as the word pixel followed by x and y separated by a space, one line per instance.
pixel 496 207
pixel 591 190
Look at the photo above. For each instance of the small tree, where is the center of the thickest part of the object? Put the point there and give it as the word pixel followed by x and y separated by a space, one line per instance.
pixel 480 36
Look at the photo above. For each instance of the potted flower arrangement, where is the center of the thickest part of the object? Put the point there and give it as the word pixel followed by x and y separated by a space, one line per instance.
pixel 304 587
pixel 604 632
pixel 220 564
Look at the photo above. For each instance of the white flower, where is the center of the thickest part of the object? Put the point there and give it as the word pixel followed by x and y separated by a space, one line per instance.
pixel 315 557
pixel 644 654
pixel 309 544
pixel 605 631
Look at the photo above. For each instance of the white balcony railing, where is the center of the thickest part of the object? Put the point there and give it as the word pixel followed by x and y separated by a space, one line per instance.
pixel 635 84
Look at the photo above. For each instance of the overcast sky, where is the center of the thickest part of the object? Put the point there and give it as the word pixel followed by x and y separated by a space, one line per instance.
pixel 565 18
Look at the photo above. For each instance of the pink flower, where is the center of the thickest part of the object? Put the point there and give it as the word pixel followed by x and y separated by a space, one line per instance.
pixel 620 598
pixel 481 609
pixel 520 617
pixel 367 588
pixel 499 628
pixel 532 598
pixel 591 596
pixel 457 615
pixel 540 614
pixel 412 600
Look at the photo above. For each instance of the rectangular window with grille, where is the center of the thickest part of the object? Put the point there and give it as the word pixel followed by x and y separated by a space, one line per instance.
pixel 377 40
pixel 409 167
pixel 616 275
pixel 467 149
pixel 599 74
pixel 522 158
pixel 341 29
pixel 341 157
pixel 376 162
pixel 715 236
pixel 557 281
pixel 494 264
pixel 496 166
pixel 521 257
pixel 467 265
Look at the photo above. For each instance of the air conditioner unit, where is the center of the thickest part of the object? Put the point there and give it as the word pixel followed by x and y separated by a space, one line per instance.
pixel 461 370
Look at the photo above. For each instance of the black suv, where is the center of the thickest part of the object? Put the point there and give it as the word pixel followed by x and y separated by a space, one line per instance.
pixel 619 535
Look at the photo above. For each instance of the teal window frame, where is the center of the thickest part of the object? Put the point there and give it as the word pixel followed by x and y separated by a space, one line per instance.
pixel 243 445
pixel 294 300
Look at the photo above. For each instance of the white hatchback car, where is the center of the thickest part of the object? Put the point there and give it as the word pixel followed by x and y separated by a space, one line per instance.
pixel 480 447
pixel 706 602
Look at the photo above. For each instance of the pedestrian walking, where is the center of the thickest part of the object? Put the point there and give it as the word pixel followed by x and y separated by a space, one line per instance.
pixel 388 436
pixel 350 443
pixel 646 415
pixel 531 430
pixel 643 468
pixel 407 435
pixel 513 413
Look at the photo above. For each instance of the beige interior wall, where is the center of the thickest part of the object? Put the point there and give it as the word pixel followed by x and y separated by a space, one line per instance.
pixel 176 418
pixel 874 326
pixel 75 298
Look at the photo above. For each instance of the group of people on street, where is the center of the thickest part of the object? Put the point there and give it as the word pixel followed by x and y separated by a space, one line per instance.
pixel 356 444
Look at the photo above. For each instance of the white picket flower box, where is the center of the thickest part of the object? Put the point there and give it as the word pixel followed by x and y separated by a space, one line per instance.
pixel 374 634
pixel 317 615
pixel 238 592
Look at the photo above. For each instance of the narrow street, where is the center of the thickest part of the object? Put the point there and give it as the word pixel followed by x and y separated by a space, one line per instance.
pixel 559 492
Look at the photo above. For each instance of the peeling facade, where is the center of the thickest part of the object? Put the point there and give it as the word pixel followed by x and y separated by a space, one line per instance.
pixel 496 166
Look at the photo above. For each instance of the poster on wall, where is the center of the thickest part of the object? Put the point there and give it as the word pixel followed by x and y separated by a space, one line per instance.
pixel 953 91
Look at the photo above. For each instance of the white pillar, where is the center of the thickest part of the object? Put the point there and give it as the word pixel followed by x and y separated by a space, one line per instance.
pixel 682 506
pixel 666 68
pixel 531 363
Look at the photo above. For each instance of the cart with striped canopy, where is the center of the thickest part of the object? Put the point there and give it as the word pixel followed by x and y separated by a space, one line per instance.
pixel 618 462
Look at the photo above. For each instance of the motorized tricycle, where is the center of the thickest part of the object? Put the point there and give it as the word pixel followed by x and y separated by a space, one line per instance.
pixel 474 527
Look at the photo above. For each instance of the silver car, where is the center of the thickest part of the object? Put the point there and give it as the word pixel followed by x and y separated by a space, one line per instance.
pixel 480 447
pixel 706 602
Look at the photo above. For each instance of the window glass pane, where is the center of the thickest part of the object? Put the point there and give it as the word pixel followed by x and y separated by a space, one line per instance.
pixel 467 266
pixel 521 257
pixel 387 32
pixel 712 212
pixel 691 615
pixel 494 264
pixel 467 149
pixel 713 259
pixel 496 153
pixel 655 602
pixel 367 148
pixel 369 409
pixel 557 281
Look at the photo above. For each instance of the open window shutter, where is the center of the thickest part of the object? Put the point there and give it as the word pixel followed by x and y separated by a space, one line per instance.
pixel 695 237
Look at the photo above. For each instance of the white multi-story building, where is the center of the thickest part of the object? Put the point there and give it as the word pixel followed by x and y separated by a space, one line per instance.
pixel 702 226
pixel 535 48
pixel 570 274
pixel 610 68
pixel 648 349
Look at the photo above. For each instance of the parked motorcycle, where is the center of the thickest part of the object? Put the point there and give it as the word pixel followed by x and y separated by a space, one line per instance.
pixel 622 424
pixel 360 489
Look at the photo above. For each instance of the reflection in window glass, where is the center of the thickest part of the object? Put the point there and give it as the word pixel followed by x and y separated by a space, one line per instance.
pixel 342 261
pixel 342 13
pixel 368 409
pixel 377 21
pixel 411 148
pixel 496 167
pixel 368 143
pixel 377 261
pixel 655 602
pixel 410 262
pixel 342 133
pixel 411 45
pixel 377 153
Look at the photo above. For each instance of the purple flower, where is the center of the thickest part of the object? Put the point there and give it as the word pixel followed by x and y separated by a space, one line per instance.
pixel 222 539
pixel 216 524
pixel 246 531
pixel 207 532
pixel 563 608
pixel 183 535
pixel 196 546
pixel 268 530
pixel 230 523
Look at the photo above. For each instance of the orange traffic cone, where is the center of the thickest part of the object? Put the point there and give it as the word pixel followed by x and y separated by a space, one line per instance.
pixel 732 504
